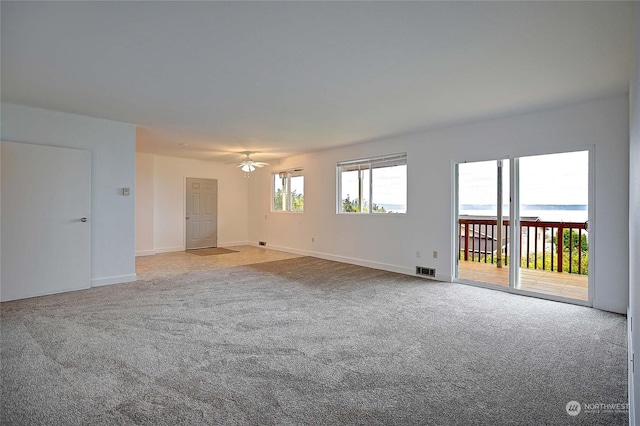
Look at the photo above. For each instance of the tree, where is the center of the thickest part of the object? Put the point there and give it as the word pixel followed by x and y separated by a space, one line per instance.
pixel 568 235
pixel 350 206
pixel 575 240
pixel 297 202
pixel 278 199
pixel 579 252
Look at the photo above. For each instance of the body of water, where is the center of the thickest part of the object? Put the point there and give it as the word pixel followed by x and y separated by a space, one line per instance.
pixel 546 212
pixel 395 208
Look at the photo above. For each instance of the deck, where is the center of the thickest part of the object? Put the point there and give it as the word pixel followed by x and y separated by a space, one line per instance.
pixel 561 284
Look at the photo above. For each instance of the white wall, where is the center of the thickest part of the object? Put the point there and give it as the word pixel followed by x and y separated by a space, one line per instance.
pixel 112 147
pixel 144 204
pixel 390 241
pixel 634 220
pixel 166 207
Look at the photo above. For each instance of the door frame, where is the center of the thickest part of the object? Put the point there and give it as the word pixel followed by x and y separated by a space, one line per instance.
pixel 514 234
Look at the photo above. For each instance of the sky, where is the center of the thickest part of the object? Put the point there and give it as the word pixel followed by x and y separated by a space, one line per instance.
pixel 297 184
pixel 544 179
pixel 390 185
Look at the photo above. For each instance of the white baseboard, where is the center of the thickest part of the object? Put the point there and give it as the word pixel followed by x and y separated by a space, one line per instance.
pixel 233 243
pixel 610 305
pixel 353 261
pixel 4 298
pixel 182 248
pixel 444 277
pixel 168 249
pixel 97 282
pixel 630 375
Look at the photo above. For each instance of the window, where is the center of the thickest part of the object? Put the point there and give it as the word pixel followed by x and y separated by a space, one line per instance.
pixel 373 185
pixel 288 191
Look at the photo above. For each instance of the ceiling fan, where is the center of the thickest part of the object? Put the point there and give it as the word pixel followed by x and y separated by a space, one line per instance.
pixel 247 165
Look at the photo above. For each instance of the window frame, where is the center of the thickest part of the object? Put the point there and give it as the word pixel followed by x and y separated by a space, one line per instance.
pixel 286 199
pixel 368 165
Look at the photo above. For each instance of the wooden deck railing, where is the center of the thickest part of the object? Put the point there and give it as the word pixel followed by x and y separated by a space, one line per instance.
pixel 553 246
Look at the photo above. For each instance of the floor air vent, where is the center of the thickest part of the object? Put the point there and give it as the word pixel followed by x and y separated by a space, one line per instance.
pixel 427 272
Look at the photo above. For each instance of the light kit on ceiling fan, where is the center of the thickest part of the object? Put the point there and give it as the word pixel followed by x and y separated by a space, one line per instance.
pixel 247 168
pixel 247 165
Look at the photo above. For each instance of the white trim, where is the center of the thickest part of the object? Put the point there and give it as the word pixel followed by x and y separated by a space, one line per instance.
pixel 630 367
pixel 291 170
pixel 442 277
pixel 552 298
pixel 519 292
pixel 350 260
pixel 592 224
pixel 45 293
pixel 610 305
pixel 455 193
pixel 120 279
pixel 515 238
pixel 400 157
pixel 142 253
pixel 169 249
pixel 355 261
pixel 233 243
pixel 182 248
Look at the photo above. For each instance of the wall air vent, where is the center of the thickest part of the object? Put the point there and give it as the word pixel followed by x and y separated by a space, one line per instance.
pixel 262 243
pixel 426 272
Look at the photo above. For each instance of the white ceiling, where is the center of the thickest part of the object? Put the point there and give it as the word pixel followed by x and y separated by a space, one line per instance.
pixel 290 77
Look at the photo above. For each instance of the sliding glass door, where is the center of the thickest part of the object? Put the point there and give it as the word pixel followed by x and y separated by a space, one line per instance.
pixel 553 195
pixel 483 208
pixel 545 249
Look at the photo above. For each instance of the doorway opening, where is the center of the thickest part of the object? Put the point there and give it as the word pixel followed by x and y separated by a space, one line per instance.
pixel 545 249
pixel 483 222
pixel 201 213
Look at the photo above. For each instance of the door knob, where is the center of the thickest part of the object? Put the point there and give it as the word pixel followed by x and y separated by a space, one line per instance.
pixel 84 219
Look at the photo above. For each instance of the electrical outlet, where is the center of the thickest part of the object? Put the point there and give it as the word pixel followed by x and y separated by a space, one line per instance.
pixel 435 254
pixel 313 239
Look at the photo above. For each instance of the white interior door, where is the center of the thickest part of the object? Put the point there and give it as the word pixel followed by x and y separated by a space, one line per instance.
pixel 46 220
pixel 202 211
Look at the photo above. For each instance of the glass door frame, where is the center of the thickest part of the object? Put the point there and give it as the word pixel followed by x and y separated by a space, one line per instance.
pixel 514 228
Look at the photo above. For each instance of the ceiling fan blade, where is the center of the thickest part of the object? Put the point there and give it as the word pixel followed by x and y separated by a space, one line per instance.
pixel 260 164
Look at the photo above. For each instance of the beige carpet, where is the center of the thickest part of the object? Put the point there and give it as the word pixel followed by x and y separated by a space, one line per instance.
pixel 211 251
pixel 166 265
pixel 306 341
